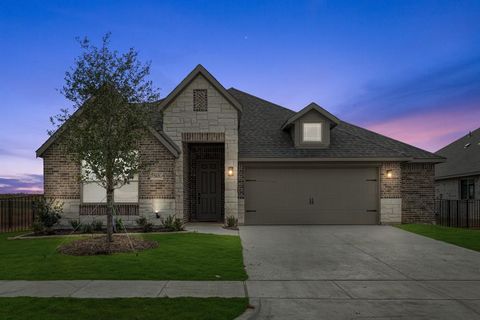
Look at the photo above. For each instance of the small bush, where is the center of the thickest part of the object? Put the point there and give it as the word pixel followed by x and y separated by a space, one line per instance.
pixel 144 224
pixel 87 228
pixel 47 214
pixel 37 227
pixel 97 225
pixel 231 222
pixel 118 224
pixel 171 223
pixel 75 224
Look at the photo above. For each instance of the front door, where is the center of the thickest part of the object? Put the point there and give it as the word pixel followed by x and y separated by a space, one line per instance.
pixel 209 193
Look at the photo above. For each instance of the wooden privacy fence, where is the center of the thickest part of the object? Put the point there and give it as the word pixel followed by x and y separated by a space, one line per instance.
pixel 458 213
pixel 16 212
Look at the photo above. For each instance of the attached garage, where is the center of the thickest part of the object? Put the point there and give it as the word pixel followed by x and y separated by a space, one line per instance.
pixel 311 195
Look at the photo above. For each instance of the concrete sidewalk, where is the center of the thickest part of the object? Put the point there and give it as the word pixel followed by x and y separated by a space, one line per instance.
pixel 122 289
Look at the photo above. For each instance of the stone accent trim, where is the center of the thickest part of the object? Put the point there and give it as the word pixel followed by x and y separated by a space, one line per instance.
pixel 390 211
pixel 418 193
pixel 241 211
pixel 203 137
pixel 218 125
pixel 100 209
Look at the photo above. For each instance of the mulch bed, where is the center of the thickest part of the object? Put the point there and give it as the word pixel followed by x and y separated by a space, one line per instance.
pixel 97 245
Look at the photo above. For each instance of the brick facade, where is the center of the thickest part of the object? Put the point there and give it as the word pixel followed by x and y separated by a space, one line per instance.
pixel 61 175
pixel 418 193
pixel 157 180
pixel 390 188
pixel 241 181
pixel 390 193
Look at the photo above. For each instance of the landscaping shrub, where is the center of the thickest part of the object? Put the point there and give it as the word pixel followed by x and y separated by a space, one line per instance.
pixel 171 223
pixel 231 222
pixel 118 224
pixel 87 228
pixel 144 224
pixel 75 224
pixel 97 225
pixel 47 214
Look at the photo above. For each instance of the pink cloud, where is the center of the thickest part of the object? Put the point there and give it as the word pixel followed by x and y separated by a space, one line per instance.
pixel 430 131
pixel 29 189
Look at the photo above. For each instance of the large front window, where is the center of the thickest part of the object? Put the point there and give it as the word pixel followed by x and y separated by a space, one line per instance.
pixel 92 192
pixel 312 132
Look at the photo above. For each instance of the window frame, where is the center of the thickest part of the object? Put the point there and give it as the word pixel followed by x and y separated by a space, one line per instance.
pixel 469 185
pixel 104 201
pixel 304 124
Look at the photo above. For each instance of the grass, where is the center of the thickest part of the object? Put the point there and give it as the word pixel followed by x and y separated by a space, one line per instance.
pixel 179 256
pixel 119 309
pixel 467 238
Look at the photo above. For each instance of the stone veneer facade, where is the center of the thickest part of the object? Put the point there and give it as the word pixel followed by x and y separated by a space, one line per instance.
pixel 218 124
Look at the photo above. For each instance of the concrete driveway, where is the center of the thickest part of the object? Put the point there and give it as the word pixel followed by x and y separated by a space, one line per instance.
pixel 358 272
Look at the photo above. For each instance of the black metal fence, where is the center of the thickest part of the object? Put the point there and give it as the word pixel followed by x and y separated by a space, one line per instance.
pixel 17 212
pixel 458 213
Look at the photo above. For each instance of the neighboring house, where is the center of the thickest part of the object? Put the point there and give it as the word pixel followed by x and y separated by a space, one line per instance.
pixel 459 177
pixel 227 153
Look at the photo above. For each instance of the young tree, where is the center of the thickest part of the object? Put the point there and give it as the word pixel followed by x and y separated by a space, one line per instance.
pixel 109 92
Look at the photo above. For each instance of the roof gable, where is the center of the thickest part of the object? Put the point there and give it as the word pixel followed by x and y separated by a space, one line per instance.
pixel 199 70
pixel 463 157
pixel 312 107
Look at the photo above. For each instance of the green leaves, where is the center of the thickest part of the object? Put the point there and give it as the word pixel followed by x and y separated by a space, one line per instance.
pixel 109 92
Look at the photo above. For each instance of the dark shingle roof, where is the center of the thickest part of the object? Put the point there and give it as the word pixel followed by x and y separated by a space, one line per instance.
pixel 462 160
pixel 261 136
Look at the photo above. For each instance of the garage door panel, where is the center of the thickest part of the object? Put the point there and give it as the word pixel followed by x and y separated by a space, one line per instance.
pixel 311 196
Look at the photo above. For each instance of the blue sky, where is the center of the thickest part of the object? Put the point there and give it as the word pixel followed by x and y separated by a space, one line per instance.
pixel 408 69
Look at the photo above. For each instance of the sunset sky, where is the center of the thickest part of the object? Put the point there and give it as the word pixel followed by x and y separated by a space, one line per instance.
pixel 406 69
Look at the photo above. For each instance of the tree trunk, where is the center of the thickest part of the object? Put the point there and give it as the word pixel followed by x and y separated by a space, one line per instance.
pixel 110 214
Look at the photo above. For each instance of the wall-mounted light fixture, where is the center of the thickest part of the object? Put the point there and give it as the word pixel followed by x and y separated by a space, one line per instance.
pixel 230 171
pixel 389 173
pixel 157 214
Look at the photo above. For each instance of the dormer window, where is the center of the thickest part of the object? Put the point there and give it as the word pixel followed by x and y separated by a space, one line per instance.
pixel 310 127
pixel 312 132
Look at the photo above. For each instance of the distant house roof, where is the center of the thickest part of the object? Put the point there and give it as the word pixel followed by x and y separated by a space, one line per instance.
pixel 463 157
pixel 261 137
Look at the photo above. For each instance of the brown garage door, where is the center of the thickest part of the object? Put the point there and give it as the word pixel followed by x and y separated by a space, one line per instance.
pixel 311 195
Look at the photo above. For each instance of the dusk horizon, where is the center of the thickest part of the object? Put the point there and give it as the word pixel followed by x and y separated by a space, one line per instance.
pixel 409 71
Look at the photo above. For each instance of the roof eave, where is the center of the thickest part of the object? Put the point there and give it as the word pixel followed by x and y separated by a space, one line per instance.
pixel 458 175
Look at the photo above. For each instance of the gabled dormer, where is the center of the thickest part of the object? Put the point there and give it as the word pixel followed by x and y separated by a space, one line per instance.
pixel 311 126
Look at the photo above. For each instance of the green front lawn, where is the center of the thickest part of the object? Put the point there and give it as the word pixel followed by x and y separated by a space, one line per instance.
pixel 133 308
pixel 467 238
pixel 179 256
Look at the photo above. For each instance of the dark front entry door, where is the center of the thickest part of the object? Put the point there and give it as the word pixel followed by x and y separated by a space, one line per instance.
pixel 209 192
